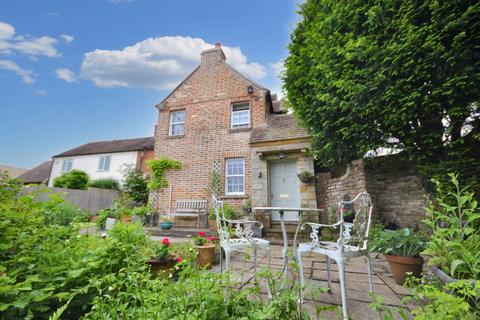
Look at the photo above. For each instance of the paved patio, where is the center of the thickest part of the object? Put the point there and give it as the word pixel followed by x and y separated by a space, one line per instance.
pixel 357 283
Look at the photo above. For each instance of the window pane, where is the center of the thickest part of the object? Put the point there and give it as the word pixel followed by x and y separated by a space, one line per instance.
pixel 235 180
pixel 241 116
pixel 177 123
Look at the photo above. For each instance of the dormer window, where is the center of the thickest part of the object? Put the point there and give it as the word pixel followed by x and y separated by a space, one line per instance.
pixel 177 123
pixel 240 116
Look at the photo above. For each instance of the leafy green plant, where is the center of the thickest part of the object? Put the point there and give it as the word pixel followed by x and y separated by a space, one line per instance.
pixel 105 183
pixel 135 184
pixel 159 167
pixel 306 176
pixel 140 211
pixel 60 212
pixel 230 212
pixel 405 243
pixel 74 179
pixel 454 220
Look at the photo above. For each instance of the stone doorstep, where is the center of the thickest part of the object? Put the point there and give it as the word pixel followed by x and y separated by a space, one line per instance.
pixel 176 232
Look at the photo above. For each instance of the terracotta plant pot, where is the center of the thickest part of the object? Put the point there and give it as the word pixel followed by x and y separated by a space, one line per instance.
pixel 212 225
pixel 401 265
pixel 126 219
pixel 206 256
pixel 93 218
pixel 160 268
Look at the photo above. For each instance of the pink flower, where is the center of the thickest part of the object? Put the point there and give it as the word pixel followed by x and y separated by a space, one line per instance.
pixel 165 241
pixel 202 234
pixel 179 259
pixel 211 239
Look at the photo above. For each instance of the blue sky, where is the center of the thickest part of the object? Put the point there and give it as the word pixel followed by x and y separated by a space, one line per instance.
pixel 72 72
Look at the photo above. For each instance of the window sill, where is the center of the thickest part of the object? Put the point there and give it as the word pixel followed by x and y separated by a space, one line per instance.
pixel 239 130
pixel 234 196
pixel 175 137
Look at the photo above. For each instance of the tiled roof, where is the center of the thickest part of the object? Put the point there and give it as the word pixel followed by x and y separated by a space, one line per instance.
pixel 110 147
pixel 278 127
pixel 39 174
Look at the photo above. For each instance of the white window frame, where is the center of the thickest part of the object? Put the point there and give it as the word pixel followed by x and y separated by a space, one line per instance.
pixel 227 176
pixel 244 125
pixel 172 124
pixel 67 167
pixel 102 161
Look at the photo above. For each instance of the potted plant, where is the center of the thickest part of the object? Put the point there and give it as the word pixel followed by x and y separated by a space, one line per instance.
pixel 163 259
pixel 306 176
pixel 166 223
pixel 247 207
pixel 402 249
pixel 205 250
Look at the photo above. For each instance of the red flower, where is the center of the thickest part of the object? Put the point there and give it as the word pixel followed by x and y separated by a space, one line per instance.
pixel 211 238
pixel 166 242
pixel 202 234
pixel 179 259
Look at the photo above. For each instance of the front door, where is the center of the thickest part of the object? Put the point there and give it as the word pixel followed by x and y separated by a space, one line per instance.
pixel 284 188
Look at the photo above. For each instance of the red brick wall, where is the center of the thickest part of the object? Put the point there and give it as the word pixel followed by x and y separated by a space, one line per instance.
pixel 206 96
pixel 142 157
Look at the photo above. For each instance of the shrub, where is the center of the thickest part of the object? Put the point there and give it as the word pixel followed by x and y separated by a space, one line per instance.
pixel 404 243
pixel 62 213
pixel 135 185
pixel 75 179
pixel 105 183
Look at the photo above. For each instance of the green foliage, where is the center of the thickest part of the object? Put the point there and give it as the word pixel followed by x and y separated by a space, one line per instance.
pixel 454 219
pixel 74 179
pixel 389 74
pixel 140 211
pixel 135 185
pixel 159 168
pixel 105 183
pixel 405 243
pixel 63 213
pixel 230 212
pixel 456 300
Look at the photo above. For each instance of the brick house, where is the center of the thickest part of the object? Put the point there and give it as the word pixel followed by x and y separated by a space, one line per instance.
pixel 217 121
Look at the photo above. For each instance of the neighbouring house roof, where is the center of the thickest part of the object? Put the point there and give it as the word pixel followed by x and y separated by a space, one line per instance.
pixel 278 127
pixel 109 146
pixel 13 171
pixel 39 174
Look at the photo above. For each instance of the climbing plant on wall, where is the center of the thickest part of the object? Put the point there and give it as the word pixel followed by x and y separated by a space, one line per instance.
pixel 159 168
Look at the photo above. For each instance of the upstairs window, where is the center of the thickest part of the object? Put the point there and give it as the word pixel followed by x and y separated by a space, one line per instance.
pixel 177 123
pixel 235 176
pixel 104 163
pixel 67 165
pixel 240 116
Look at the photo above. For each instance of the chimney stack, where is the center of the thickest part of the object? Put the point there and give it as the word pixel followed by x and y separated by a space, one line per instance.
pixel 213 56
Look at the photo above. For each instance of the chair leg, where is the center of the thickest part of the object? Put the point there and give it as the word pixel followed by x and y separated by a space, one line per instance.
pixel 369 269
pixel 227 260
pixel 255 249
pixel 329 281
pixel 268 254
pixel 341 273
pixel 221 260
pixel 302 280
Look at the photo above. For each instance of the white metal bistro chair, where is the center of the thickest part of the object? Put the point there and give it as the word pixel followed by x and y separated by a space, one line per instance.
pixel 352 243
pixel 244 237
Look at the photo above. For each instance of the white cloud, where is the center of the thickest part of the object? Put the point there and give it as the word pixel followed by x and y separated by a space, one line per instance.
pixel 41 92
pixel 26 75
pixel 66 74
pixel 278 68
pixel 67 38
pixel 157 63
pixel 31 46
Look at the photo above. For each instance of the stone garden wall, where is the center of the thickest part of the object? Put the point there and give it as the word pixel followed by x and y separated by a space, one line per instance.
pixel 396 190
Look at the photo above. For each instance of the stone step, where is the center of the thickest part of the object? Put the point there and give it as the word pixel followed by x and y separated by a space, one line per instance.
pixel 177 232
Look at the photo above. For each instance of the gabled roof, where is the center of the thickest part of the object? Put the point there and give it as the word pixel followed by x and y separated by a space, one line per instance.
pixel 278 127
pixel 110 146
pixel 194 70
pixel 39 174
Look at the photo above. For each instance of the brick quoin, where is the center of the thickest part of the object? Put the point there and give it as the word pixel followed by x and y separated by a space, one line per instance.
pixel 207 95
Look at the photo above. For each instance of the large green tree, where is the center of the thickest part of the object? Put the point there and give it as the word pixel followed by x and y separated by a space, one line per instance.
pixel 401 74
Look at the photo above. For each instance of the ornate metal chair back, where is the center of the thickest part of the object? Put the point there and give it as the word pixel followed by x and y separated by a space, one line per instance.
pixel 220 219
pixel 356 233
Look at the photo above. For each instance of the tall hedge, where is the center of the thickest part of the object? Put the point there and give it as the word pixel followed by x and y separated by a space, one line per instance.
pixel 397 74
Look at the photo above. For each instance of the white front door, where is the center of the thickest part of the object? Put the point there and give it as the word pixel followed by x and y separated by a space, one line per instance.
pixel 284 188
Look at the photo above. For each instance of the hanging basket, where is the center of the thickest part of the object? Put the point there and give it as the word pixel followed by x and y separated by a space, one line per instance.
pixel 305 178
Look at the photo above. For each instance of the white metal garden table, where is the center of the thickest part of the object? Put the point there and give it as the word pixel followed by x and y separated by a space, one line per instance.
pixel 281 211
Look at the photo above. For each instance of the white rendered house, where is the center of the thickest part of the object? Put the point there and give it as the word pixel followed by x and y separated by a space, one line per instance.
pixel 103 159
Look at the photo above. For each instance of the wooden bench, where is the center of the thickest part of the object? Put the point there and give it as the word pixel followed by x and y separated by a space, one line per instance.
pixel 191 208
